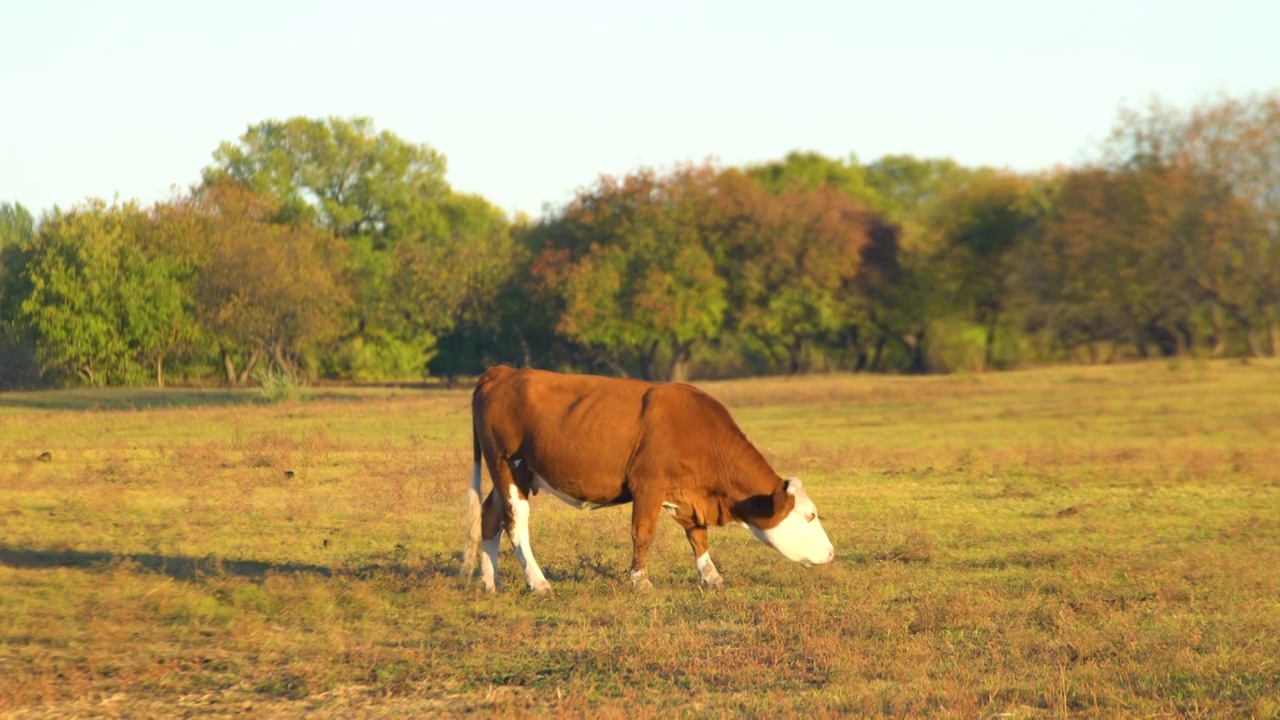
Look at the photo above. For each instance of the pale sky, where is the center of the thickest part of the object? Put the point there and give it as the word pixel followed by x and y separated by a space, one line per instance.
pixel 531 100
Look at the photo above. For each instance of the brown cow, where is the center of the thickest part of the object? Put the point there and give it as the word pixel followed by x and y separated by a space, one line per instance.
pixel 594 442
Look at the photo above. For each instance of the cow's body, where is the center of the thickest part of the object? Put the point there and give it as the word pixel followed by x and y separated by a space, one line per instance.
pixel 596 442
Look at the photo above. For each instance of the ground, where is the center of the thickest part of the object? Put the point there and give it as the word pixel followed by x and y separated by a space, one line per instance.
pixel 1067 541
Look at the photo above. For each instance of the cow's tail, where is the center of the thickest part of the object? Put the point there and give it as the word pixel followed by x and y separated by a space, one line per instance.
pixel 473 509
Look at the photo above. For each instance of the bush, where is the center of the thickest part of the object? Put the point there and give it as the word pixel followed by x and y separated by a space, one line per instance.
pixel 278 386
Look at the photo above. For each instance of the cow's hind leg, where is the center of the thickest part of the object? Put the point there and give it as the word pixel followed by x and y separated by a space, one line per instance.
pixel 519 502
pixel 493 518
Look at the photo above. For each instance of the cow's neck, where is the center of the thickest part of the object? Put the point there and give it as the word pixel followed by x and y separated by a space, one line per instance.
pixel 756 494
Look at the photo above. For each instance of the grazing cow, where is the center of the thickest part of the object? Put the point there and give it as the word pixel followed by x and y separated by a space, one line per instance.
pixel 595 442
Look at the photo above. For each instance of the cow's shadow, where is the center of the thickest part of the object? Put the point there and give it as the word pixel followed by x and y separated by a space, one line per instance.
pixel 188 568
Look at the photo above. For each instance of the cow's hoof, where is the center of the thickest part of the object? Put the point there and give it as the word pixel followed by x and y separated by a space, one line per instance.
pixel 542 588
pixel 490 588
pixel 713 581
pixel 640 580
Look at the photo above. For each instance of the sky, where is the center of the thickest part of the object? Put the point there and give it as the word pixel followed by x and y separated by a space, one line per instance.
pixel 529 101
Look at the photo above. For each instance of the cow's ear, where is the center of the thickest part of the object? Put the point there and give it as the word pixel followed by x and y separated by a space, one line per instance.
pixel 792 485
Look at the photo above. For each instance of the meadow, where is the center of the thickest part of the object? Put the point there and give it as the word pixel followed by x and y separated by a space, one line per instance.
pixel 1080 541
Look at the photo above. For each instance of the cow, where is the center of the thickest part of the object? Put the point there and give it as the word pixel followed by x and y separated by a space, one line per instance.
pixel 597 442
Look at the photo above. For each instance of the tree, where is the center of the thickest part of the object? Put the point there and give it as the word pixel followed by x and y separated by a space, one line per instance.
pixel 980 223
pixel 907 187
pixel 453 282
pixel 265 290
pixel 1183 204
pixel 420 256
pixel 17 231
pixel 1234 146
pixel 97 307
pixel 803 172
pixel 795 273
pixel 342 174
pixel 632 262
pixel 17 358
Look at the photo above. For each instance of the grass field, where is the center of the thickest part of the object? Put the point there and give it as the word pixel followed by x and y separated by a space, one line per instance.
pixel 1072 541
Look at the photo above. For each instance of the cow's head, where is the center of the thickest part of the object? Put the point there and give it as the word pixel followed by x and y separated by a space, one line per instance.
pixel 799 535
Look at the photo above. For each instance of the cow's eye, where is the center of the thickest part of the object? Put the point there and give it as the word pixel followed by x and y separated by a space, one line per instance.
pixel 811 517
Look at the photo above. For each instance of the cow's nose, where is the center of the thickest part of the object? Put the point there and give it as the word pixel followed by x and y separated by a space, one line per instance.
pixel 831 555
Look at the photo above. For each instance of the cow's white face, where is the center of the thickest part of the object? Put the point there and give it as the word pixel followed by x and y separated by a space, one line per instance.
pixel 799 536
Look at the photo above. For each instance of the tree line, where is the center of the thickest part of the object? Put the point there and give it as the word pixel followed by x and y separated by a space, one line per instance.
pixel 324 248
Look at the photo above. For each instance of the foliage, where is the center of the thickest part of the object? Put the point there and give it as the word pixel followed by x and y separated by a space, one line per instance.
pixel 979 225
pixel 266 290
pixel 343 174
pixel 17 232
pixel 632 261
pixel 94 302
pixel 422 259
pixel 804 172
pixel 327 247
pixel 796 276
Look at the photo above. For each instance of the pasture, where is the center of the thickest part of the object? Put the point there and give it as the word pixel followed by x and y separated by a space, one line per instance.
pixel 1098 541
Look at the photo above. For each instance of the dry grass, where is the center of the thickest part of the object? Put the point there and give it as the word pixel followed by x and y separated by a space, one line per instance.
pixel 1099 541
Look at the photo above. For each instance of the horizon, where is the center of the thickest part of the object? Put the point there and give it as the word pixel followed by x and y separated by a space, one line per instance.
pixel 130 100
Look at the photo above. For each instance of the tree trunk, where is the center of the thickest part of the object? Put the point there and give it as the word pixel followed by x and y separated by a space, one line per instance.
pixel 989 354
pixel 915 348
pixel 1255 344
pixel 611 362
pixel 229 365
pixel 249 366
pixel 1139 342
pixel 795 356
pixel 646 357
pixel 859 358
pixel 160 371
pixel 680 362
pixel 881 340
pixel 524 351
pixel 1186 338
pixel 286 366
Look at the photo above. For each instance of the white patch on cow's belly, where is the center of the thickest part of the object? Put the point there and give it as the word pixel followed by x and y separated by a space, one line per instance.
pixel 542 484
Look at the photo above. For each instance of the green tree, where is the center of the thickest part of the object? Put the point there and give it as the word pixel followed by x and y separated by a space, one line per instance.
pixel 632 262
pixel 451 283
pixel 17 358
pixel 97 307
pixel 17 231
pixel 264 290
pixel 423 258
pixel 980 224
pixel 907 187
pixel 807 171
pixel 795 272
pixel 341 173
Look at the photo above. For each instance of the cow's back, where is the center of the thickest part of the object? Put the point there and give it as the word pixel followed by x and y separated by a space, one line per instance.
pixel 574 430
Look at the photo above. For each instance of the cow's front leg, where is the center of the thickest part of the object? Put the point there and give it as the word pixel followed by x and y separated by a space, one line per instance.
pixel 644 524
pixel 697 535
